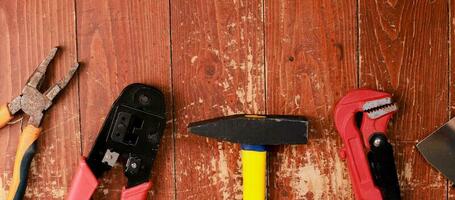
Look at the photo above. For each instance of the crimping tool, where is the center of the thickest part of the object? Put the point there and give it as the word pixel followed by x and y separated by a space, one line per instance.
pixel 131 133
pixel 368 153
pixel 34 103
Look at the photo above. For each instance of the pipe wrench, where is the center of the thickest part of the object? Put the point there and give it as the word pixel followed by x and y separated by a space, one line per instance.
pixel 361 118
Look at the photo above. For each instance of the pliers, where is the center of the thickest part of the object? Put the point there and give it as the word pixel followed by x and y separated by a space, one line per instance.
pixel 131 133
pixel 33 103
pixel 361 118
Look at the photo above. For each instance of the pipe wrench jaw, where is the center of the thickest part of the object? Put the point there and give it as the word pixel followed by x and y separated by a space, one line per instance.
pixel 369 127
pixel 376 109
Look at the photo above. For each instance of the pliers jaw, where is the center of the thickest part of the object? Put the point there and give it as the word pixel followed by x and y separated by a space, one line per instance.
pixel 32 101
pixel 369 155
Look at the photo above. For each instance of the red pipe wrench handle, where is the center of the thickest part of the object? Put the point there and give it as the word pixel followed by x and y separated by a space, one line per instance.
pixel 138 192
pixel 354 152
pixel 84 183
pixel 359 170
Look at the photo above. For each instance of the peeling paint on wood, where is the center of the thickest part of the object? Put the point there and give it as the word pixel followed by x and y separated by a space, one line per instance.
pixel 230 57
pixel 124 42
pixel 306 76
pixel 404 51
pixel 227 78
pixel 29 31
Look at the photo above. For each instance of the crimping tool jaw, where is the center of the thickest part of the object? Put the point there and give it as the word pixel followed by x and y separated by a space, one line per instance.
pixel 130 136
pixel 32 101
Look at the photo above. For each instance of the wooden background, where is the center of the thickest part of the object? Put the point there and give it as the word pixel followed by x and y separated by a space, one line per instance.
pixel 221 57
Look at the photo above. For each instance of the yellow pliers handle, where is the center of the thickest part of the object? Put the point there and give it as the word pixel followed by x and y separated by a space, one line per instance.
pixel 24 155
pixel 5 116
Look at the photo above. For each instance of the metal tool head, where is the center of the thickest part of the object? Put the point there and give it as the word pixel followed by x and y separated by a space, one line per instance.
pixel 255 129
pixel 131 134
pixel 32 101
pixel 37 77
pixel 375 107
pixel 439 149
pixel 374 103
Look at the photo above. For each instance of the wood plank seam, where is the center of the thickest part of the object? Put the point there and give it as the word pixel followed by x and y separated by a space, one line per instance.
pixel 78 77
pixel 174 119
pixel 449 75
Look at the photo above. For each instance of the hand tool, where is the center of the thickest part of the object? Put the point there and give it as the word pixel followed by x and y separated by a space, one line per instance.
pixel 254 132
pixel 131 133
pixel 368 153
pixel 34 104
pixel 439 148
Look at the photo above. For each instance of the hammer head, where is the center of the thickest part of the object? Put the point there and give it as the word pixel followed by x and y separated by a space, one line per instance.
pixel 254 129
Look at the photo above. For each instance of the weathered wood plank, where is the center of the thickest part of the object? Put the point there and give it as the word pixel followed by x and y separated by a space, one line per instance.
pixel 122 42
pixel 403 50
pixel 311 63
pixel 451 192
pixel 218 69
pixel 29 29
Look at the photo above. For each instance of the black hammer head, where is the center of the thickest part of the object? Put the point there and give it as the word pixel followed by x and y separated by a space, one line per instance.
pixel 254 129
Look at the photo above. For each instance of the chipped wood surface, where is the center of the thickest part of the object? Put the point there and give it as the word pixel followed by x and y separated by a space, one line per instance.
pixel 214 58
pixel 311 63
pixel 28 31
pixel 218 69
pixel 123 42
pixel 405 52
pixel 451 62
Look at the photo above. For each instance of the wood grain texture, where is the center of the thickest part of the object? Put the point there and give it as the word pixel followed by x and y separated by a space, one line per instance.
pixel 228 57
pixel 29 29
pixel 404 50
pixel 451 190
pixel 218 69
pixel 311 63
pixel 123 42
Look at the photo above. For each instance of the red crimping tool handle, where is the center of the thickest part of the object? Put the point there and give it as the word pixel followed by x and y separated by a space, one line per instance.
pixel 138 192
pixel 84 183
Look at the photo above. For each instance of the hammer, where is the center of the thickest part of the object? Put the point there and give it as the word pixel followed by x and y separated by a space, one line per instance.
pixel 253 132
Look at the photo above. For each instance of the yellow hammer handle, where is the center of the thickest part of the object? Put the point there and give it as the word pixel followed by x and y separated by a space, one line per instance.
pixel 5 116
pixel 24 155
pixel 254 175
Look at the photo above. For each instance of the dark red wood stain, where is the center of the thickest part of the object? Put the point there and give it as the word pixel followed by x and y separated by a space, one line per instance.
pixel 28 31
pixel 218 69
pixel 123 43
pixel 403 50
pixel 311 63
pixel 215 58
